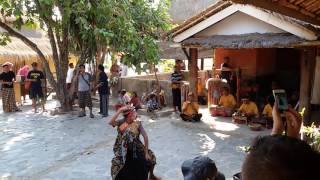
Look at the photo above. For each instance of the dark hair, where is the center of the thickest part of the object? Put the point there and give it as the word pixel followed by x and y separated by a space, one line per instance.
pixel 100 67
pixel 280 157
pixel 5 65
pixel 123 92
pixel 134 94
pixel 82 65
pixel 34 64
pixel 226 89
pixel 70 64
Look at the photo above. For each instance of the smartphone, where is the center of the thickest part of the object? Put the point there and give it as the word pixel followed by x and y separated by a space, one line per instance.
pixel 280 98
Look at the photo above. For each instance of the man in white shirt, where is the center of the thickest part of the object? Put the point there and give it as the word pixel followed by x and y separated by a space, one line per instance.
pixel 69 75
pixel 123 70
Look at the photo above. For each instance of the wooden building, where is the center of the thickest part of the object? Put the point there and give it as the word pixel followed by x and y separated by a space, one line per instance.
pixel 276 39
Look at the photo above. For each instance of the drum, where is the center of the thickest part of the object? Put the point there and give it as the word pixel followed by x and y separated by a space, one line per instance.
pixel 239 119
pixel 216 110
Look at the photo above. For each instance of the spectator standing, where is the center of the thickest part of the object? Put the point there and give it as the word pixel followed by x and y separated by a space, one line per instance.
pixel 84 88
pixel 69 75
pixel 176 78
pixel 37 79
pixel 23 72
pixel 103 89
pixel 225 69
pixel 7 78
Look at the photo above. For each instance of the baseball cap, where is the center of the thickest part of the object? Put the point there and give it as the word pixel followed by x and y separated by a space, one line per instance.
pixel 200 168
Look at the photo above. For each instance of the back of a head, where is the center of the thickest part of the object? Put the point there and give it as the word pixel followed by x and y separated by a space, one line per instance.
pixel 100 67
pixel 279 158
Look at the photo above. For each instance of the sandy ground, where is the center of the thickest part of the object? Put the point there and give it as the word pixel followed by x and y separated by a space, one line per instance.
pixel 41 146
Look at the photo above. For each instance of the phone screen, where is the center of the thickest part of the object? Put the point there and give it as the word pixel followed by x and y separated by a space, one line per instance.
pixel 281 99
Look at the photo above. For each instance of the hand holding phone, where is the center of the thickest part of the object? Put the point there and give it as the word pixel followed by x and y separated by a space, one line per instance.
pixel 280 97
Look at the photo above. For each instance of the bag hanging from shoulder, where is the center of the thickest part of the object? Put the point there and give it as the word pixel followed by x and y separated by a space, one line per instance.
pixel 27 85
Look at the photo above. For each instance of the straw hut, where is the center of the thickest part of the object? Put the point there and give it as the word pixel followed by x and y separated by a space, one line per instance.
pixel 18 53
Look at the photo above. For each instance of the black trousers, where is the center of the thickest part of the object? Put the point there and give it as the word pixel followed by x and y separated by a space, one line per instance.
pixel 176 98
pixel 104 98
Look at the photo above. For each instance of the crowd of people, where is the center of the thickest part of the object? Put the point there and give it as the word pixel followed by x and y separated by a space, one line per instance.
pixel 281 155
pixel 34 83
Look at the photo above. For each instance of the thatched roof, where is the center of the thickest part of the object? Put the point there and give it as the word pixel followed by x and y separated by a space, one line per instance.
pixel 250 40
pixel 212 9
pixel 168 51
pixel 18 48
pixel 303 10
pixel 245 41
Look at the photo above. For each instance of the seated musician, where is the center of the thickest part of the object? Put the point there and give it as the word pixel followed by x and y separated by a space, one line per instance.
pixel 248 109
pixel 267 113
pixel 190 110
pixel 227 102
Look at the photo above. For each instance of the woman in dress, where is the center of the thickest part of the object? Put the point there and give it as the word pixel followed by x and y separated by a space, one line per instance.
pixel 133 160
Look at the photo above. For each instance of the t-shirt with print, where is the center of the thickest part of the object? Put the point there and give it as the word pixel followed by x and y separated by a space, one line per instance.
pixel 7 77
pixel 37 75
pixel 84 82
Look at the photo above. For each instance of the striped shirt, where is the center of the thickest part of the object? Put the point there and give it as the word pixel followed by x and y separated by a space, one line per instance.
pixel 176 77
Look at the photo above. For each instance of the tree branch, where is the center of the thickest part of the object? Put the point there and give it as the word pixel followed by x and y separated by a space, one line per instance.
pixel 35 48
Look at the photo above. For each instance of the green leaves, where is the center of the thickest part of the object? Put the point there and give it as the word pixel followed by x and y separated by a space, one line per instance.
pixel 4 39
pixel 127 26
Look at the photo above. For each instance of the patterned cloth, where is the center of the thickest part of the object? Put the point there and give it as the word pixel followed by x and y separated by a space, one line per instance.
pixel 128 144
pixel 85 99
pixel 8 100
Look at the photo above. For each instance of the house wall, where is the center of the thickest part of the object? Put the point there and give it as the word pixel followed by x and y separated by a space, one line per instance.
pixel 246 59
pixel 253 62
pixel 239 23
pixel 266 61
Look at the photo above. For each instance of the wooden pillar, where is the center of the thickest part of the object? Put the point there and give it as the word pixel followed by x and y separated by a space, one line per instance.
pixel 202 63
pixel 193 71
pixel 307 65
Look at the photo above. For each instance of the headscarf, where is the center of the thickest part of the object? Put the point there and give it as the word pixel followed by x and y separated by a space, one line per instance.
pixel 23 71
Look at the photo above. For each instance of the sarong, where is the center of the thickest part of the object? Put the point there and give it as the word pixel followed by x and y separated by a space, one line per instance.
pixel 8 100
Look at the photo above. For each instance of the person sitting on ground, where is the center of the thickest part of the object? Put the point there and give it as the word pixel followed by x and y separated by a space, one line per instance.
pixel 135 101
pixel 162 98
pixel 190 109
pixel 227 102
pixel 279 157
pixel 152 103
pixel 248 108
pixel 201 168
pixel 267 113
pixel 123 99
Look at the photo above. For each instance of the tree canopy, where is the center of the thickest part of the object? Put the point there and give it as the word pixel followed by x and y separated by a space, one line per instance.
pixel 129 27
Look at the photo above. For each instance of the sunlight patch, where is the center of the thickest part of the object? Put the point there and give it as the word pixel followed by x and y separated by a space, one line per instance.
pixel 221 136
pixel 13 140
pixel 223 126
pixel 208 144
